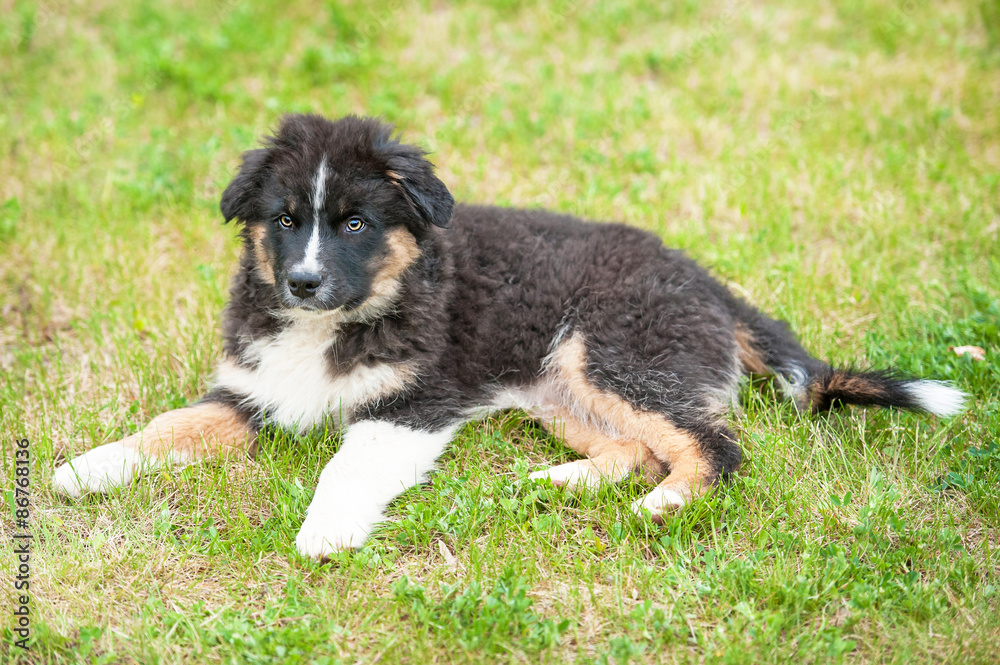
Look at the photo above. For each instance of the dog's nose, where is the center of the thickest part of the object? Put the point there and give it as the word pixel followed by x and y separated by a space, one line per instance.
pixel 303 284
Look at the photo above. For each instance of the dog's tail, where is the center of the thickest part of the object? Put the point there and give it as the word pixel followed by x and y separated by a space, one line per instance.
pixel 768 347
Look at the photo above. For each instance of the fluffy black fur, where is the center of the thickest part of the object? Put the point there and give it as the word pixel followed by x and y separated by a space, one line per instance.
pixel 490 290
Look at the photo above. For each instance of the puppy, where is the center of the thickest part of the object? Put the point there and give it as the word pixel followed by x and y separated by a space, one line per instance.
pixel 366 295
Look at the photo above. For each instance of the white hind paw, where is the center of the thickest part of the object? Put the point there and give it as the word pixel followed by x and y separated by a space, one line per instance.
pixel 661 502
pixel 580 473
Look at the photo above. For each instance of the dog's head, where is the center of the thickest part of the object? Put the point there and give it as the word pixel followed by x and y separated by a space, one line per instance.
pixel 334 210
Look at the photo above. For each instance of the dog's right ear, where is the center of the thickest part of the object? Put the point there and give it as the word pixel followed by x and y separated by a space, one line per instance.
pixel 239 197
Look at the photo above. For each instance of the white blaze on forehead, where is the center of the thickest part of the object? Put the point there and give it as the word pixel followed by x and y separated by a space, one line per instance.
pixel 310 262
pixel 319 188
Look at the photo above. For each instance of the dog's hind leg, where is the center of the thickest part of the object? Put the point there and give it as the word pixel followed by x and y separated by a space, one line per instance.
pixel 609 457
pixel 180 437
pixel 696 454
pixel 697 457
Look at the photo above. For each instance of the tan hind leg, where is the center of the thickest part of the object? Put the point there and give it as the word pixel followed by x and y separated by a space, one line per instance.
pixel 608 457
pixel 693 470
pixel 691 475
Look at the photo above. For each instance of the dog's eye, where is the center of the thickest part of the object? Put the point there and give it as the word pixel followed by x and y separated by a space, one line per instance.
pixel 354 225
pixel 285 221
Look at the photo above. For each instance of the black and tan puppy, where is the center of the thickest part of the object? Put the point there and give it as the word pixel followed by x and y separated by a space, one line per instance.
pixel 366 295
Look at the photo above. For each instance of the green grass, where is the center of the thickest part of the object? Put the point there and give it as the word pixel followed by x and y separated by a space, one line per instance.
pixel 836 163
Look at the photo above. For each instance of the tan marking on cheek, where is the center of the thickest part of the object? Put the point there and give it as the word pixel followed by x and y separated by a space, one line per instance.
pixel 264 267
pixel 750 357
pixel 671 446
pixel 402 252
pixel 194 432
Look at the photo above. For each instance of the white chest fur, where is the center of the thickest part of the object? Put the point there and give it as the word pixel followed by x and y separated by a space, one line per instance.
pixel 294 382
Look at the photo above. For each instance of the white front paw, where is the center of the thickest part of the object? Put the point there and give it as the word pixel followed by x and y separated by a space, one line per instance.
pixel 98 470
pixel 322 534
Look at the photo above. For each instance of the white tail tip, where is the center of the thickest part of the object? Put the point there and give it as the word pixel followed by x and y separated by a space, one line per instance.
pixel 936 397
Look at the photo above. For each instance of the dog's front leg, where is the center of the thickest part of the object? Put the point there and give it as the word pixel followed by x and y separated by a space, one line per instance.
pixel 177 437
pixel 377 462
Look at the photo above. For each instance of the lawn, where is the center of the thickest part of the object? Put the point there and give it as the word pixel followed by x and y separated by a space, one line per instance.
pixel 837 163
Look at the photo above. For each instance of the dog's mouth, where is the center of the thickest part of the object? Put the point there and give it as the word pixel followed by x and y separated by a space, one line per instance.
pixel 316 303
pixel 354 307
pixel 321 302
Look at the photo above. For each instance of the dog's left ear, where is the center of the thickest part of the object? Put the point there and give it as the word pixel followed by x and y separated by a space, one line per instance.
pixel 414 175
pixel 238 199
